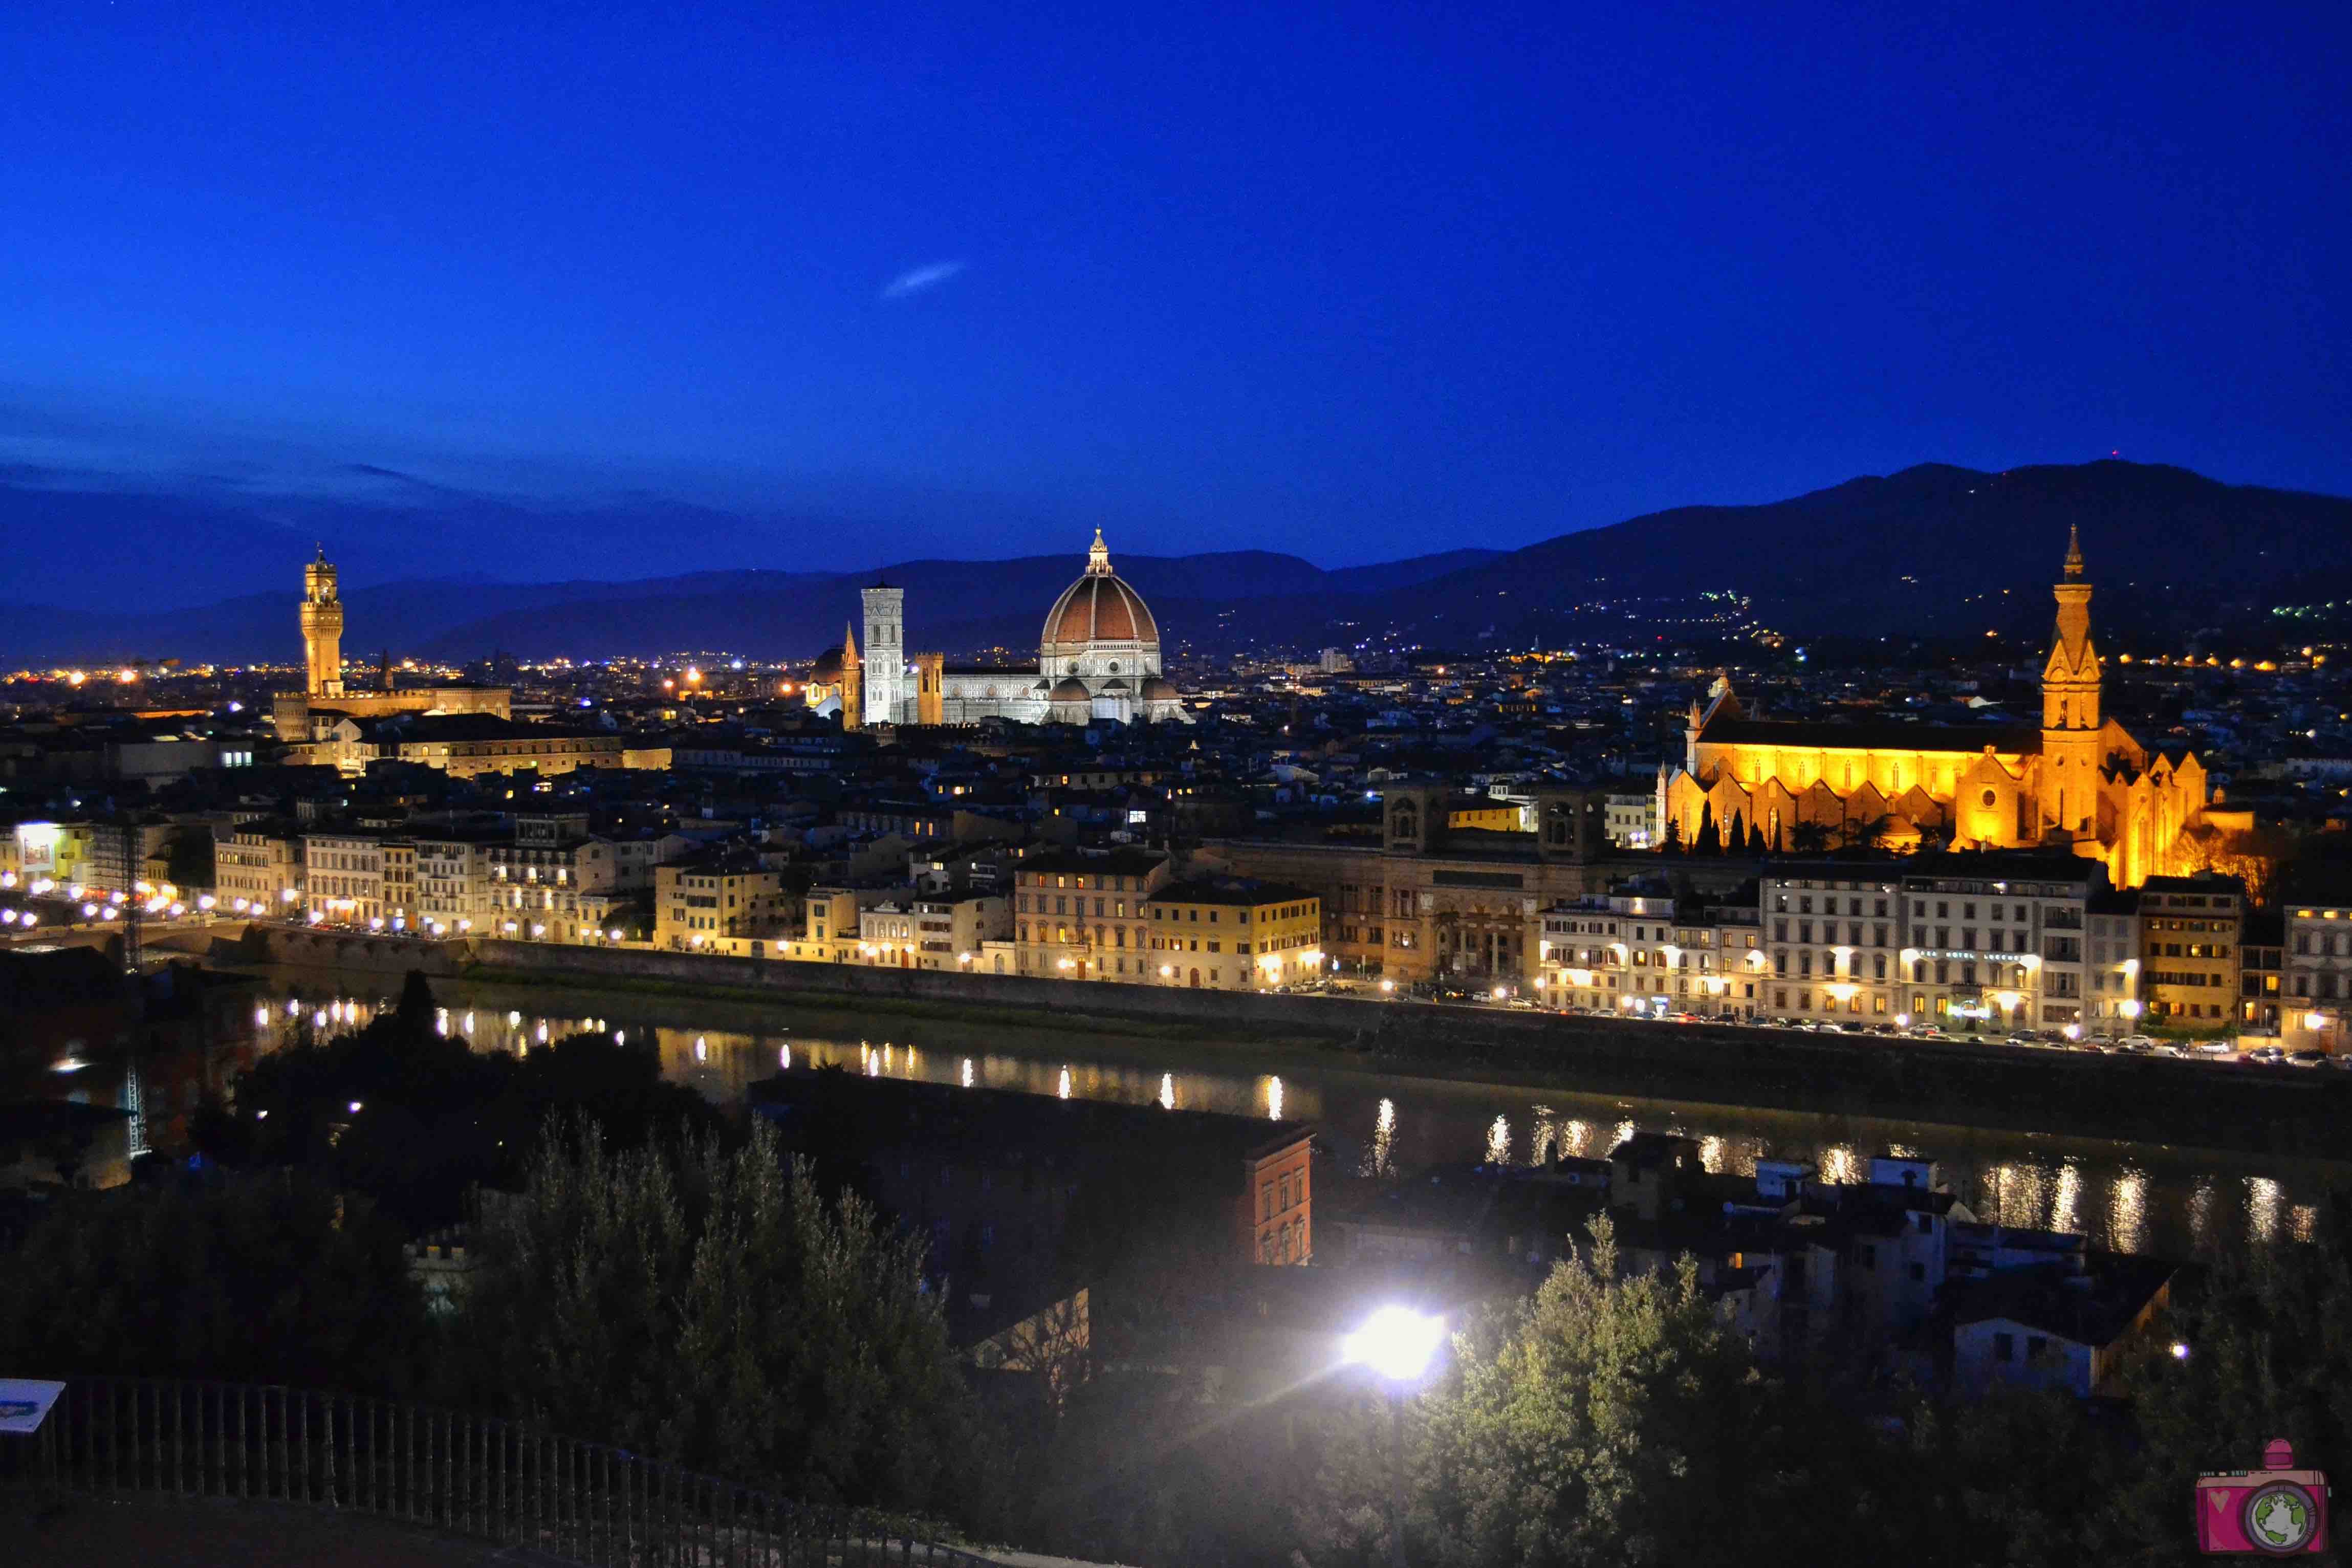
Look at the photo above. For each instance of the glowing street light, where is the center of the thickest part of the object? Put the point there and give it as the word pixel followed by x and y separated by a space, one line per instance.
pixel 1397 1342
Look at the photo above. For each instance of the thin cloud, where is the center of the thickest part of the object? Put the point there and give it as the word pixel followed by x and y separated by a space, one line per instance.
pixel 915 280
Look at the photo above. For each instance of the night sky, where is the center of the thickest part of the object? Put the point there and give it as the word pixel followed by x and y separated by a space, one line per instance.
pixel 1357 283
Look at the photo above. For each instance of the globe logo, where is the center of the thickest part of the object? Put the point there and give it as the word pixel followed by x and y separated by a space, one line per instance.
pixel 2278 1518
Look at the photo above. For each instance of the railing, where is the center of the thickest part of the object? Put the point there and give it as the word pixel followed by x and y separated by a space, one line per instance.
pixel 466 1475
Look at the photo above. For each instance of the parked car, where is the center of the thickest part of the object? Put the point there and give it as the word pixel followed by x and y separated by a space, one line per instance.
pixel 2167 1048
pixel 2308 1059
pixel 2269 1056
pixel 2140 1042
pixel 2131 1048
pixel 2220 1049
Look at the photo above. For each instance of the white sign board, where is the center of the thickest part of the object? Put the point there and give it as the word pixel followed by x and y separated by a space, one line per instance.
pixel 24 1405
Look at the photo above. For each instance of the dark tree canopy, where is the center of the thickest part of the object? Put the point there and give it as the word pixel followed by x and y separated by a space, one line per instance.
pixel 712 1307
pixel 266 1279
pixel 436 1117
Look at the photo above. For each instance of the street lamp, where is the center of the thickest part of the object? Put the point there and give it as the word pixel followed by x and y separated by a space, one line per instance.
pixel 1398 1343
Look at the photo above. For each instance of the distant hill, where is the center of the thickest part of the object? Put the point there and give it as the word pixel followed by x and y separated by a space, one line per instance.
pixel 958 605
pixel 1933 550
pixel 1930 550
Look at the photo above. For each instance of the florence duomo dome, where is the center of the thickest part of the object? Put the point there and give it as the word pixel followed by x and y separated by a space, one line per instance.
pixel 1098 657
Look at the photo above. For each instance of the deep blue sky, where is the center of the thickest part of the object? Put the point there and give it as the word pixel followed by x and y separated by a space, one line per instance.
pixel 1356 283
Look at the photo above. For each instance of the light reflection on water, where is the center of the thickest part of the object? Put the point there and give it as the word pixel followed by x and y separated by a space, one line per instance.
pixel 1379 1154
pixel 2131 1197
pixel 1498 1141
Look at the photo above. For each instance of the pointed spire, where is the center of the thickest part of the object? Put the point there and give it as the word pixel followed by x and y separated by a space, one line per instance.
pixel 2074 552
pixel 848 643
pixel 1098 558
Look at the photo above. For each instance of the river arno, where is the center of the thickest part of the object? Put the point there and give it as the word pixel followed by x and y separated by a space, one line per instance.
pixel 2135 1197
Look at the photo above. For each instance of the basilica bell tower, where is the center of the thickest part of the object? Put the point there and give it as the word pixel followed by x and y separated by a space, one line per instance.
pixel 322 628
pixel 2070 721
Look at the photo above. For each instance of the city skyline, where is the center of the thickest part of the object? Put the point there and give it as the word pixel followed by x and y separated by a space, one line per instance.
pixel 1087 785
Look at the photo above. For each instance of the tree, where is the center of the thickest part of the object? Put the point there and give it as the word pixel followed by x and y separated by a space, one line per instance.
pixel 2016 1478
pixel 1864 835
pixel 2255 856
pixel 1810 837
pixel 2266 1357
pixel 437 1118
pixel 1606 1421
pixel 189 859
pixel 1710 842
pixel 415 1014
pixel 260 1280
pixel 1673 843
pixel 1737 842
pixel 712 1307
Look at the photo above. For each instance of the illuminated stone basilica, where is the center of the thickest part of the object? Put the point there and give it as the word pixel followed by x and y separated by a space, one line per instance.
pixel 1098 658
pixel 2079 778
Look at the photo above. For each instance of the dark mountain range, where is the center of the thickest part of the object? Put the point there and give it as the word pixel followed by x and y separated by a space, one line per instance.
pixel 964 606
pixel 1933 550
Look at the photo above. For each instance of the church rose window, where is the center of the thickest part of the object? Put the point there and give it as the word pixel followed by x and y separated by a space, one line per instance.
pixel 1989 797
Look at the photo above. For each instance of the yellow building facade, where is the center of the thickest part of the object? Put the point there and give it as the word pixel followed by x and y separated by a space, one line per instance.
pixel 2079 777
pixel 1235 934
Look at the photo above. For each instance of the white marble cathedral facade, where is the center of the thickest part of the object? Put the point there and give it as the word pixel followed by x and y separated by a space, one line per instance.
pixel 1098 657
